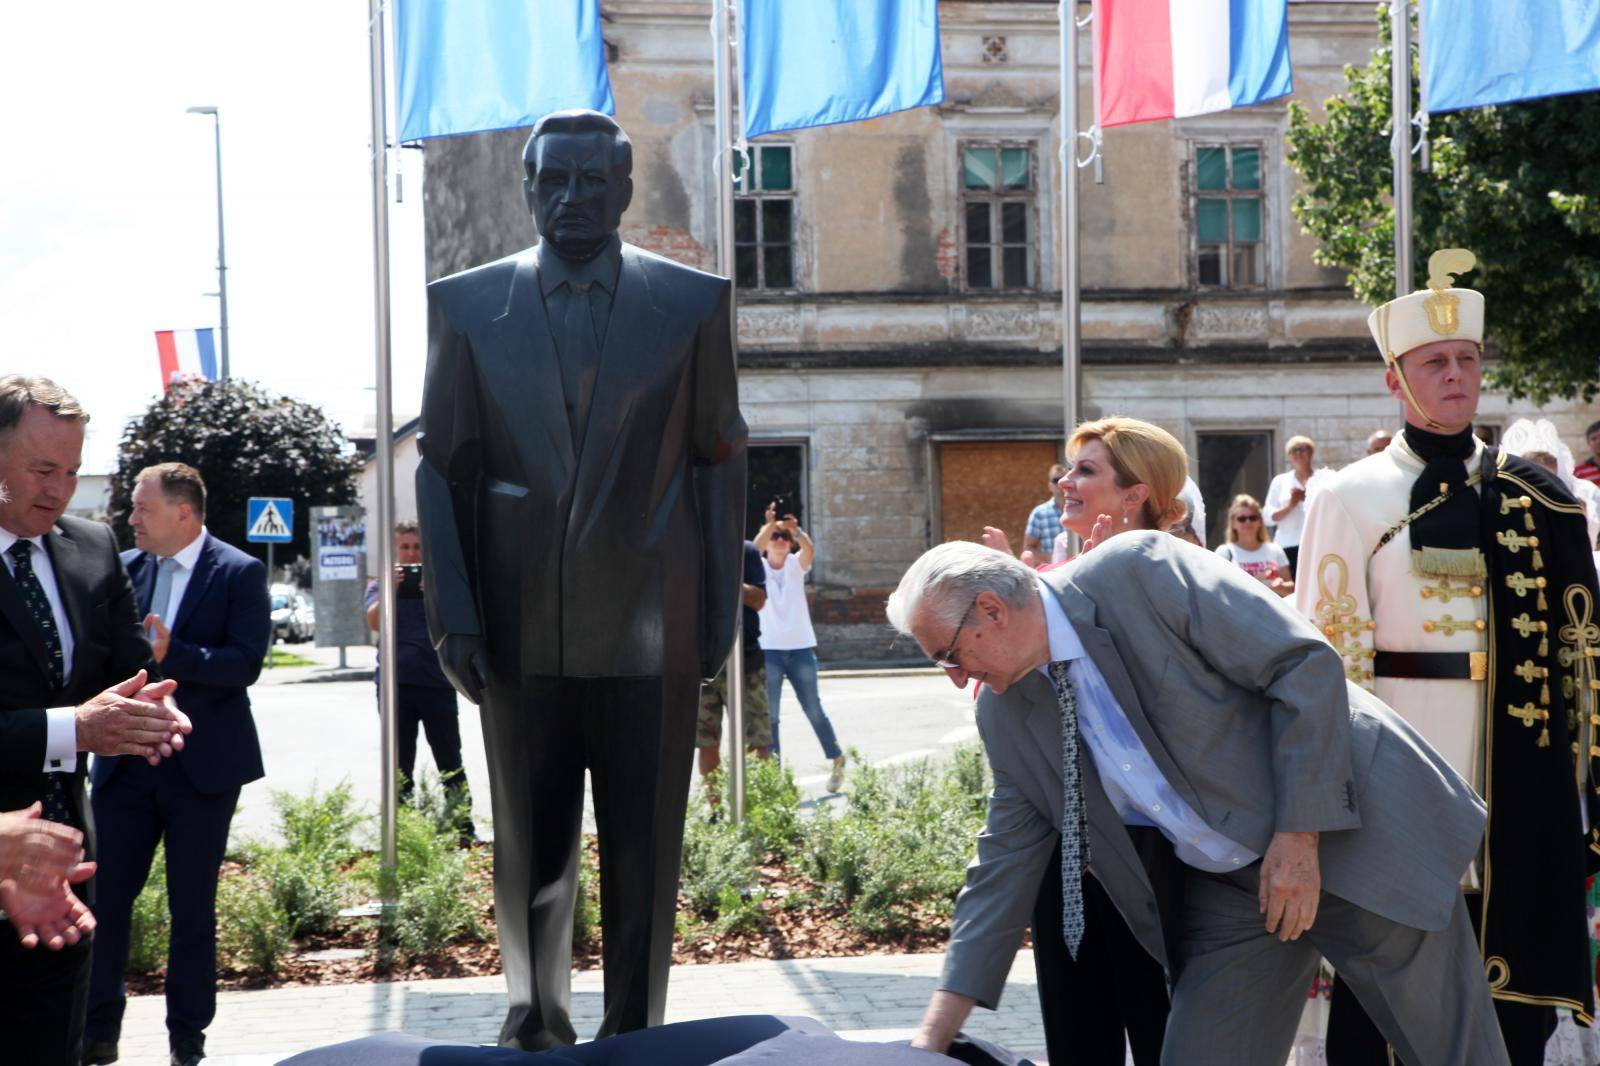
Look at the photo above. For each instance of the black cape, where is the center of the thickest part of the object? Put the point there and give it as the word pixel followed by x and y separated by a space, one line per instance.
pixel 1544 634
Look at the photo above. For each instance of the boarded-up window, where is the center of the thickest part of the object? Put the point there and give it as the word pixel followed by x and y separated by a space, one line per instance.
pixel 993 483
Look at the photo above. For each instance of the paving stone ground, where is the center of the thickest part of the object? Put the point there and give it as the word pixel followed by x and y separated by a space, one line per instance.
pixel 877 997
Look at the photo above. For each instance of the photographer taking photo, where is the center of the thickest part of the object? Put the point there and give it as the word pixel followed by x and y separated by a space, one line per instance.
pixel 422 693
pixel 788 642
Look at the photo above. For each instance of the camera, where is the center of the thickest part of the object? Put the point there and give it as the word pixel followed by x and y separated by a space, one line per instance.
pixel 410 587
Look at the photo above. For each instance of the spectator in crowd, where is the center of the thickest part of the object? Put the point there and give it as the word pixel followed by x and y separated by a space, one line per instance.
pixel 714 697
pixel 1286 497
pixel 1044 522
pixel 1378 441
pixel 1589 469
pixel 788 642
pixel 1538 442
pixel 1250 545
pixel 423 695
pixel 208 619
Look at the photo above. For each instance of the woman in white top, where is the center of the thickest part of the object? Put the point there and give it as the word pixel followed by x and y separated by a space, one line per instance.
pixel 1250 545
pixel 1286 497
pixel 788 642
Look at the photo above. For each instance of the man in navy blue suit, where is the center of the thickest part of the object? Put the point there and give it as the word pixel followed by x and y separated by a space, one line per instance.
pixel 206 611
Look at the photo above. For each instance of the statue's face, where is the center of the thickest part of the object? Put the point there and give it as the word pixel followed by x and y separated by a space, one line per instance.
pixel 576 192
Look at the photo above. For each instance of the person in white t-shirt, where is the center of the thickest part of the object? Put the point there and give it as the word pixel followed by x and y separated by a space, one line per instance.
pixel 1250 545
pixel 788 642
pixel 1286 496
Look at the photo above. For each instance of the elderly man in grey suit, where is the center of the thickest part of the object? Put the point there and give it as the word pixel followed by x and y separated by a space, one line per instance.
pixel 1150 684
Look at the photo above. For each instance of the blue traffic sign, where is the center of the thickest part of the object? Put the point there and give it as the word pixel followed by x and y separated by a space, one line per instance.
pixel 269 519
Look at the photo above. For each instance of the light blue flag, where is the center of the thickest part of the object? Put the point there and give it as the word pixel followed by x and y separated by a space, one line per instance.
pixel 462 66
pixel 816 62
pixel 1481 52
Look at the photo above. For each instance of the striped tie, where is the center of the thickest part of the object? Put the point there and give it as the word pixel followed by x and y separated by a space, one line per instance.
pixel 1074 839
pixel 56 807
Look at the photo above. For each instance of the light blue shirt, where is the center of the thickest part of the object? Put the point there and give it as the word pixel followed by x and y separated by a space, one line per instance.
pixel 1132 781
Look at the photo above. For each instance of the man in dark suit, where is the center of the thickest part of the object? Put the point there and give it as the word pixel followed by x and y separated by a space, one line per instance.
pixel 582 485
pixel 206 611
pixel 67 632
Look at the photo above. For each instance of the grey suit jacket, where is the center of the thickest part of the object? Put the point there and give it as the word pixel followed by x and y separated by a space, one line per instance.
pixel 1245 709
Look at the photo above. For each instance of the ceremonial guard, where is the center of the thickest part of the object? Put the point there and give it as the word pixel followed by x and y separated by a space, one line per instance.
pixel 1458 584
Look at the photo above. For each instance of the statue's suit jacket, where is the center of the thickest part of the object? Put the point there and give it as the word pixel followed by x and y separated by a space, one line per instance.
pixel 619 561
pixel 1246 711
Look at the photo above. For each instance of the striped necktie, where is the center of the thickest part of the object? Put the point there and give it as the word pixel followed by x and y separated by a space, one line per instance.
pixel 56 807
pixel 1074 838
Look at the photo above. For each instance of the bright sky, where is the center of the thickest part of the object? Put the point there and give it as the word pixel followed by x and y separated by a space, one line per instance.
pixel 108 208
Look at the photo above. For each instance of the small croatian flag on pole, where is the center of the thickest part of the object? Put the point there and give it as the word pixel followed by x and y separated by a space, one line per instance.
pixel 1157 59
pixel 185 354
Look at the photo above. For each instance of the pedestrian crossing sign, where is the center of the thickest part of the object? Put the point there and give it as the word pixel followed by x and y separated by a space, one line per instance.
pixel 269 519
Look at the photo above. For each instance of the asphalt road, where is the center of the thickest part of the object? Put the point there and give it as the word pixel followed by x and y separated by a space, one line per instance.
pixel 317 735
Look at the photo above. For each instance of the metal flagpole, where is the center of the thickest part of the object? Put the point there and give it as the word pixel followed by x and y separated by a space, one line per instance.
pixel 383 541
pixel 1400 73
pixel 722 13
pixel 1071 307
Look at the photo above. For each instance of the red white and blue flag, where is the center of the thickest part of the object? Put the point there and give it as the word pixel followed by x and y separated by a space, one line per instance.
pixel 1157 59
pixel 185 354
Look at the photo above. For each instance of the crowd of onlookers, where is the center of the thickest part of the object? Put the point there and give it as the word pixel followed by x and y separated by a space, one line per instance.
pixel 1263 536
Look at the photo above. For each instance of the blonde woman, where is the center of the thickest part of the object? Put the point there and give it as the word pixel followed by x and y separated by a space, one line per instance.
pixel 1122 474
pixel 1250 545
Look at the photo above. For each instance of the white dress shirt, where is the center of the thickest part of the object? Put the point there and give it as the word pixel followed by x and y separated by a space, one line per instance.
pixel 1132 781
pixel 61 730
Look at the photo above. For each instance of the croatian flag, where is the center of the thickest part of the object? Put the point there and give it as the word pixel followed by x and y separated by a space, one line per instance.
pixel 185 354
pixel 1158 59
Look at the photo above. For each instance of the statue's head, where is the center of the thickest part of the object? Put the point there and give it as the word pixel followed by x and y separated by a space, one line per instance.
pixel 579 180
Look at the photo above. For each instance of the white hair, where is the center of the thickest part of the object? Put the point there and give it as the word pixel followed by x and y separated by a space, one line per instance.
pixel 951 576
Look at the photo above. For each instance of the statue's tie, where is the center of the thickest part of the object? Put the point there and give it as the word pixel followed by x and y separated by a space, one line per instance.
pixel 56 807
pixel 1074 835
pixel 580 359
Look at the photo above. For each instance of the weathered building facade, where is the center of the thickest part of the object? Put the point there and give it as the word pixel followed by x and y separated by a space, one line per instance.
pixel 899 285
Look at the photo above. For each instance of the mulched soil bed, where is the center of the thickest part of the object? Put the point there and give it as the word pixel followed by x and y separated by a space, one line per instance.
pixel 806 931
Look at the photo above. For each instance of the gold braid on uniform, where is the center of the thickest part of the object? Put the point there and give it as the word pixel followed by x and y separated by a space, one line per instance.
pixel 1336 614
pixel 1580 646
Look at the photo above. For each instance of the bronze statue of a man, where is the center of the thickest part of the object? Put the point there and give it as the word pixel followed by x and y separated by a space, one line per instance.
pixel 582 496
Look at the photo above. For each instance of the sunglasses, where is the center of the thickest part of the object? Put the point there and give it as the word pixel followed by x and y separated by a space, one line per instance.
pixel 782 536
pixel 1247 518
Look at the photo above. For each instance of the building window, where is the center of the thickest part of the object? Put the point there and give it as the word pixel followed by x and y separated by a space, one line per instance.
pixel 1229 249
pixel 777 474
pixel 763 219
pixel 997 199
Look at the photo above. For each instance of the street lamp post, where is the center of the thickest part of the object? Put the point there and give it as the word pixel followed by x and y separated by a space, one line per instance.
pixel 222 253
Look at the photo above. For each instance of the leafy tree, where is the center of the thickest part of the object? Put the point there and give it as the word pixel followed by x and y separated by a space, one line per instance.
pixel 245 442
pixel 1518 184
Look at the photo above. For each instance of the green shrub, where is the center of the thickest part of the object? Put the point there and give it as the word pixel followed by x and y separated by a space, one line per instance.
pixel 252 930
pixel 309 888
pixel 899 849
pixel 772 807
pixel 586 908
pixel 321 824
pixel 150 924
pixel 444 804
pixel 436 897
pixel 717 856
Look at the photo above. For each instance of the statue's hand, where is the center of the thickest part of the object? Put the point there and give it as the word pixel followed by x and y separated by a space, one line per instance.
pixel 465 660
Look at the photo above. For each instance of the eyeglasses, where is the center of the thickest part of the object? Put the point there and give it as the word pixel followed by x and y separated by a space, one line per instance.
pixel 946 660
pixel 1247 518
